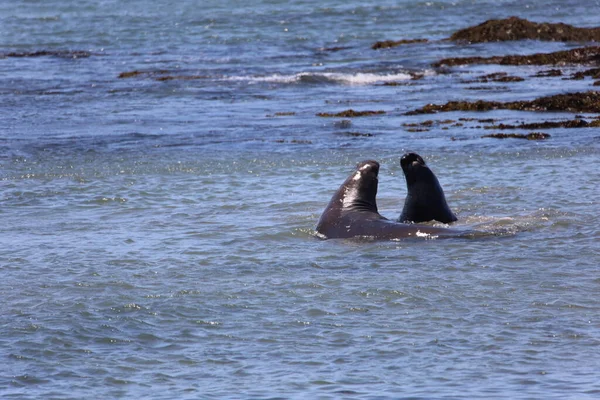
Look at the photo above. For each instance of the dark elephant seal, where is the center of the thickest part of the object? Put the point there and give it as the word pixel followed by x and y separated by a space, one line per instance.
pixel 425 200
pixel 352 211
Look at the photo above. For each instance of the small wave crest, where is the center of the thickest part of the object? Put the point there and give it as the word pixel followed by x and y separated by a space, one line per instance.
pixel 359 78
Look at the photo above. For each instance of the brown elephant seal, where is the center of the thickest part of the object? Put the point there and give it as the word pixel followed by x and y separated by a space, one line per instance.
pixel 352 212
pixel 425 200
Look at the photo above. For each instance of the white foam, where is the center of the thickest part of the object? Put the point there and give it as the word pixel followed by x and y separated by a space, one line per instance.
pixel 425 235
pixel 366 78
pixel 275 78
pixel 359 78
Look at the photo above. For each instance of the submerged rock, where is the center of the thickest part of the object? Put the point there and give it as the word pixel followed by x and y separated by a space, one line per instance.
pixel 334 49
pixel 496 77
pixel 593 72
pixel 180 77
pixel 161 75
pixel 293 141
pixel 49 53
pixel 548 73
pixel 581 55
pixel 350 114
pixel 354 134
pixel 574 123
pixel 508 78
pixel 143 74
pixel 529 136
pixel 514 28
pixel 479 105
pixel 385 44
pixel 281 114
pixel 571 102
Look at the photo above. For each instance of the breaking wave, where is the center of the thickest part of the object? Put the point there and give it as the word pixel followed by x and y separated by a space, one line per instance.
pixel 360 78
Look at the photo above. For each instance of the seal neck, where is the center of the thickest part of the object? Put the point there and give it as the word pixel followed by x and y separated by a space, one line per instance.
pixel 420 174
pixel 360 195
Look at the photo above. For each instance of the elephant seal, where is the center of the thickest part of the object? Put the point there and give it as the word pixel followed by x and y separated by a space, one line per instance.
pixel 352 212
pixel 425 200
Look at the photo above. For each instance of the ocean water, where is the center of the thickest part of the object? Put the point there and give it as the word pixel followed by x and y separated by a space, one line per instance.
pixel 158 230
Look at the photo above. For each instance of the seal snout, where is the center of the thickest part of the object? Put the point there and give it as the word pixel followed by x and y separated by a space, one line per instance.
pixel 369 166
pixel 411 160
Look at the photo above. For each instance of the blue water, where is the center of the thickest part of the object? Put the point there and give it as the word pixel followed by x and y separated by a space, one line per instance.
pixel 158 235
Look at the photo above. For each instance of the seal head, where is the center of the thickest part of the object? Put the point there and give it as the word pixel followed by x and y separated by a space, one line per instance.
pixel 355 200
pixel 425 200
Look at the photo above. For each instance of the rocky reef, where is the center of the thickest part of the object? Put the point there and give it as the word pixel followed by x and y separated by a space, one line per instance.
pixel 509 29
pixel 581 55
pixel 571 102
pixel 515 28
pixel 574 123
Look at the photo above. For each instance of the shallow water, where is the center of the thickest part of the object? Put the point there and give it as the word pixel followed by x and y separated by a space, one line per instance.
pixel 157 236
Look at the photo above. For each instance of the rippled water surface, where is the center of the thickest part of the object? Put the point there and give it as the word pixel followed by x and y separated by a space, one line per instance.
pixel 157 230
